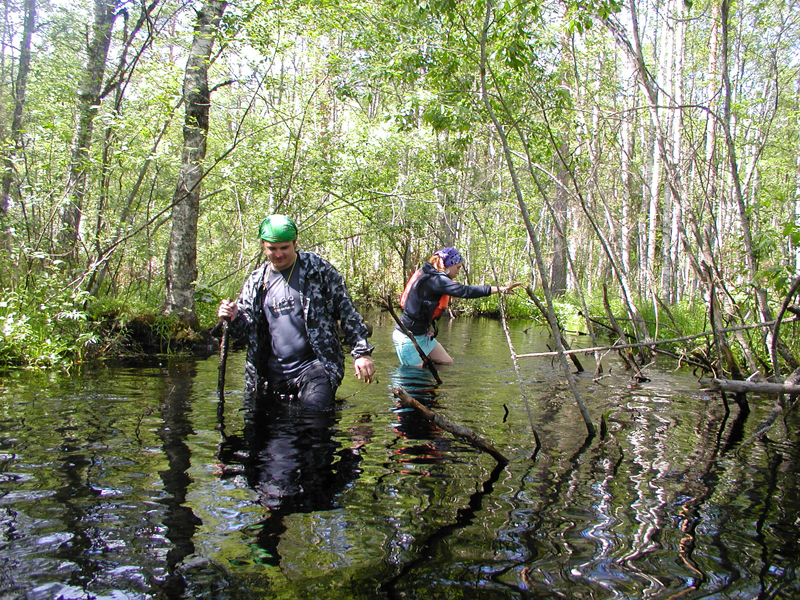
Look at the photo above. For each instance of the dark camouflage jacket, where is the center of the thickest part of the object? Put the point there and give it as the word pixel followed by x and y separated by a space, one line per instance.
pixel 326 302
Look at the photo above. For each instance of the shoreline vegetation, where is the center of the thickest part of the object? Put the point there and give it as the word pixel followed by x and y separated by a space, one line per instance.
pixel 120 337
pixel 81 339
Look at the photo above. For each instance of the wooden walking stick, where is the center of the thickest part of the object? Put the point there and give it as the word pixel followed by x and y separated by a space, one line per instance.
pixel 387 304
pixel 223 359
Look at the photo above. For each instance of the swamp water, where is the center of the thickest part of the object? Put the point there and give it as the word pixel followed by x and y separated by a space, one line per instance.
pixel 116 483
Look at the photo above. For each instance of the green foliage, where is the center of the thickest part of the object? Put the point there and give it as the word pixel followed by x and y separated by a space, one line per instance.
pixel 581 14
pixel 569 315
pixel 682 319
pixel 685 318
pixel 367 122
pixel 53 332
pixel 207 301
pixel 165 327
pixel 517 306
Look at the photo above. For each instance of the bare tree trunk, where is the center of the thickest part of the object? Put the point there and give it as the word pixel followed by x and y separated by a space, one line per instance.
pixel 705 265
pixel 749 250
pixel 19 105
pixel 99 264
pixel 558 267
pixel 795 248
pixel 181 260
pixel 88 101
pixel 551 316
pixel 626 220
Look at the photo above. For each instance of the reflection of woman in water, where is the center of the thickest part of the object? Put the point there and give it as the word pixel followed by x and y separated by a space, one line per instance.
pixel 418 440
pixel 290 459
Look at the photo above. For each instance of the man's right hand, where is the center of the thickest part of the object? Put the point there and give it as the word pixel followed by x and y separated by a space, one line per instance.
pixel 228 310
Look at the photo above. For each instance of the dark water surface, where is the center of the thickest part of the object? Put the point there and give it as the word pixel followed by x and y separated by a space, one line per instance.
pixel 115 483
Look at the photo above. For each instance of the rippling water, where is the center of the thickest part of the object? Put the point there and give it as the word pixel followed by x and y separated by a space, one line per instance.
pixel 117 483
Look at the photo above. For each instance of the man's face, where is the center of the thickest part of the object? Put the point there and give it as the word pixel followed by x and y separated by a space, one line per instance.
pixel 281 254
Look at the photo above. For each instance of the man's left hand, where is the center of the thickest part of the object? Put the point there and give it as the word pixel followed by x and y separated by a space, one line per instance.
pixel 365 368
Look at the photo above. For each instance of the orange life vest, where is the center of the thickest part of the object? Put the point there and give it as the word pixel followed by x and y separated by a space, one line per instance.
pixel 444 301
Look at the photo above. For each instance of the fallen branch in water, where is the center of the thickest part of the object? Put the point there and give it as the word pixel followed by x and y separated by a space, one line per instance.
pixel 755 387
pixel 778 410
pixel 651 343
pixel 458 430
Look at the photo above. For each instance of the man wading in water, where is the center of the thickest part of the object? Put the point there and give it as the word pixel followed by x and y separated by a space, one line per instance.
pixel 288 311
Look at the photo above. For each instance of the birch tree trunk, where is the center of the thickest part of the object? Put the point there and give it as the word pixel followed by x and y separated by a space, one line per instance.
pixel 558 267
pixel 88 104
pixel 751 259
pixel 625 195
pixel 672 209
pixel 181 260
pixel 795 248
pixel 19 105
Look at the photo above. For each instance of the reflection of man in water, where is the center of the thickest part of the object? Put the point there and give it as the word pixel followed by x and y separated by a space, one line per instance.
pixel 290 459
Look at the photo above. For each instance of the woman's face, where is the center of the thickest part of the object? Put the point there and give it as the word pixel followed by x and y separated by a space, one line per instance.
pixel 453 271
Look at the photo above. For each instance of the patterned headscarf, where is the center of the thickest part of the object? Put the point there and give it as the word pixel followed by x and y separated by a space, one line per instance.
pixel 450 256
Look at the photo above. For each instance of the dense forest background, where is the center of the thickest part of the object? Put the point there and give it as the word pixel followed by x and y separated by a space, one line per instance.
pixel 635 162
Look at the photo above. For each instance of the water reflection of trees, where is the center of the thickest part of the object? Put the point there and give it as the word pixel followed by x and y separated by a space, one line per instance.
pixel 79 514
pixel 415 540
pixel 682 488
pixel 179 519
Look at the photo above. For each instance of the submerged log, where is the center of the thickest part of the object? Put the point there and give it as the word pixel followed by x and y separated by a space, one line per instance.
pixel 454 428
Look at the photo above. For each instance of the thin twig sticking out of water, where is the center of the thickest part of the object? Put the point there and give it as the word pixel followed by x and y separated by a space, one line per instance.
pixel 503 316
pixel 539 262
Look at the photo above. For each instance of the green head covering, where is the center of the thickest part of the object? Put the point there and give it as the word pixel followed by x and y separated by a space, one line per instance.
pixel 277 228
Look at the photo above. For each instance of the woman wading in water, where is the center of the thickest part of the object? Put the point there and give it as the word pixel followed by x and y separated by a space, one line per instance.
pixel 425 298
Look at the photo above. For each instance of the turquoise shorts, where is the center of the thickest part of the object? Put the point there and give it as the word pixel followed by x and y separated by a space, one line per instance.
pixel 406 351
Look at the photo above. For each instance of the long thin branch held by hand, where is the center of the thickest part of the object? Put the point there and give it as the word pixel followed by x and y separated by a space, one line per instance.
pixel 387 304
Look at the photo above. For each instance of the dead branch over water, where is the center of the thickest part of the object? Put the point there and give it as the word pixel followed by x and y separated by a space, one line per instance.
pixel 755 387
pixel 654 343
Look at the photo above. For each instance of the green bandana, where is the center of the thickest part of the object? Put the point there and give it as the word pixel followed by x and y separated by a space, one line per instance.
pixel 277 228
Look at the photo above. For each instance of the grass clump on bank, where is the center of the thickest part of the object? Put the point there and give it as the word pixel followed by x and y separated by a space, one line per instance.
pixel 61 328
